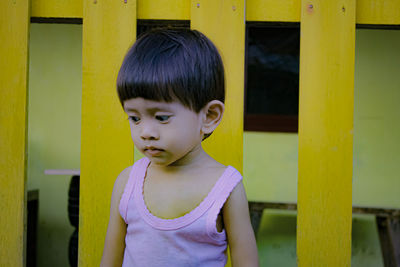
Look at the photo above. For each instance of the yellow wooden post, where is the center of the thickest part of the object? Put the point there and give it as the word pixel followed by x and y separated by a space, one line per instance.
pixel 109 28
pixel 14 32
pixel 224 23
pixel 326 133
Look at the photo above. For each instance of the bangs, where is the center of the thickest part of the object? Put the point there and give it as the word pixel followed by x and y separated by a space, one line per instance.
pixel 153 74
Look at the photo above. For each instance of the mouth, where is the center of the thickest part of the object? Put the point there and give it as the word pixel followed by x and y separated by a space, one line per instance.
pixel 153 151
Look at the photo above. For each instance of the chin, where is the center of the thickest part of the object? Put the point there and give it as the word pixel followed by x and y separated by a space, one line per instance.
pixel 159 161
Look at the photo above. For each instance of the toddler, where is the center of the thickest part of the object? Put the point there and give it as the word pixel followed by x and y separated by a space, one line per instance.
pixel 177 206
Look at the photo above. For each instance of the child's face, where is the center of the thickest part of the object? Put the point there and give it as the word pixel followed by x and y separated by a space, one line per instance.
pixel 164 132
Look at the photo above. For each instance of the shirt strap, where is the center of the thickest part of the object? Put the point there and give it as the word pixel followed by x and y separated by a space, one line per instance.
pixel 228 185
pixel 129 188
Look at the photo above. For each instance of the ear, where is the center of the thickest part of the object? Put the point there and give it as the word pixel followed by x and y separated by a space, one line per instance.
pixel 212 116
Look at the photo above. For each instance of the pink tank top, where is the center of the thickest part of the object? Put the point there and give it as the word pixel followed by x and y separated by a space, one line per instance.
pixel 190 240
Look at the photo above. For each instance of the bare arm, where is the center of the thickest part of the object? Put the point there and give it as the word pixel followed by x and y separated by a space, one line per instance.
pixel 241 240
pixel 114 245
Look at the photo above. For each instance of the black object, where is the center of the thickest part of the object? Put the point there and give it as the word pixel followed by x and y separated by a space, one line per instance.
pixel 73 201
pixel 33 208
pixel 73 249
pixel 73 215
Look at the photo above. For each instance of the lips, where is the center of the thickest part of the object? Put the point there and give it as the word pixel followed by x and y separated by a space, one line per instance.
pixel 153 151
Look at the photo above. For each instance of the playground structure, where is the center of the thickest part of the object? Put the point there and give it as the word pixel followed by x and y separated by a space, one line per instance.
pixel 109 27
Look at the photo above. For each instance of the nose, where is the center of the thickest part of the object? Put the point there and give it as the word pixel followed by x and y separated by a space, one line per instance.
pixel 149 132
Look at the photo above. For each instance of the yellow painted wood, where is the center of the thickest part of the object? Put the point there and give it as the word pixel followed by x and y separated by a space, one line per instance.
pixel 273 10
pixel 164 9
pixel 57 8
pixel 378 12
pixel 224 23
pixel 146 9
pixel 14 32
pixel 326 133
pixel 109 29
pixel 368 11
pixel 154 9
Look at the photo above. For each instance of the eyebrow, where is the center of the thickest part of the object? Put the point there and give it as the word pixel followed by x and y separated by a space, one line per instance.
pixel 151 110
pixel 130 109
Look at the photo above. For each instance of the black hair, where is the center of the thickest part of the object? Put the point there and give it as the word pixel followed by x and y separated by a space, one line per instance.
pixel 172 64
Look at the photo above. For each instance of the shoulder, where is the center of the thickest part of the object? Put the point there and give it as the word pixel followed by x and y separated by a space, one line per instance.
pixel 124 175
pixel 237 196
pixel 121 181
pixel 214 166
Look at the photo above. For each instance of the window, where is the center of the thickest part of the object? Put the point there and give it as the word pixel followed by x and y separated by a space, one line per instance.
pixel 272 77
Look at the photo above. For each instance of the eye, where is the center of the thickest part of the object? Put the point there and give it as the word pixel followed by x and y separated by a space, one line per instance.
pixel 134 119
pixel 162 118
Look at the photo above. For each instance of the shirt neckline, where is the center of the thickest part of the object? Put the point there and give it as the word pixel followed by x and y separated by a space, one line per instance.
pixel 179 222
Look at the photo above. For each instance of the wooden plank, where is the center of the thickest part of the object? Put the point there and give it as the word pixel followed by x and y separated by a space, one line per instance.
pixel 374 12
pixel 378 12
pixel 57 8
pixel 257 206
pixel 389 237
pixel 109 28
pixel 368 11
pixel 224 23
pixel 164 9
pixel 146 9
pixel 272 10
pixel 14 32
pixel 326 102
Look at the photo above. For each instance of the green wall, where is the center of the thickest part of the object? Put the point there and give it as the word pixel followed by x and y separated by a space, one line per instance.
pixel 376 120
pixel 54 126
pixel 270 159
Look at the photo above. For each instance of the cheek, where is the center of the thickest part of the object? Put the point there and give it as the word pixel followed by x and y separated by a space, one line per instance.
pixel 134 133
pixel 173 137
pixel 188 135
